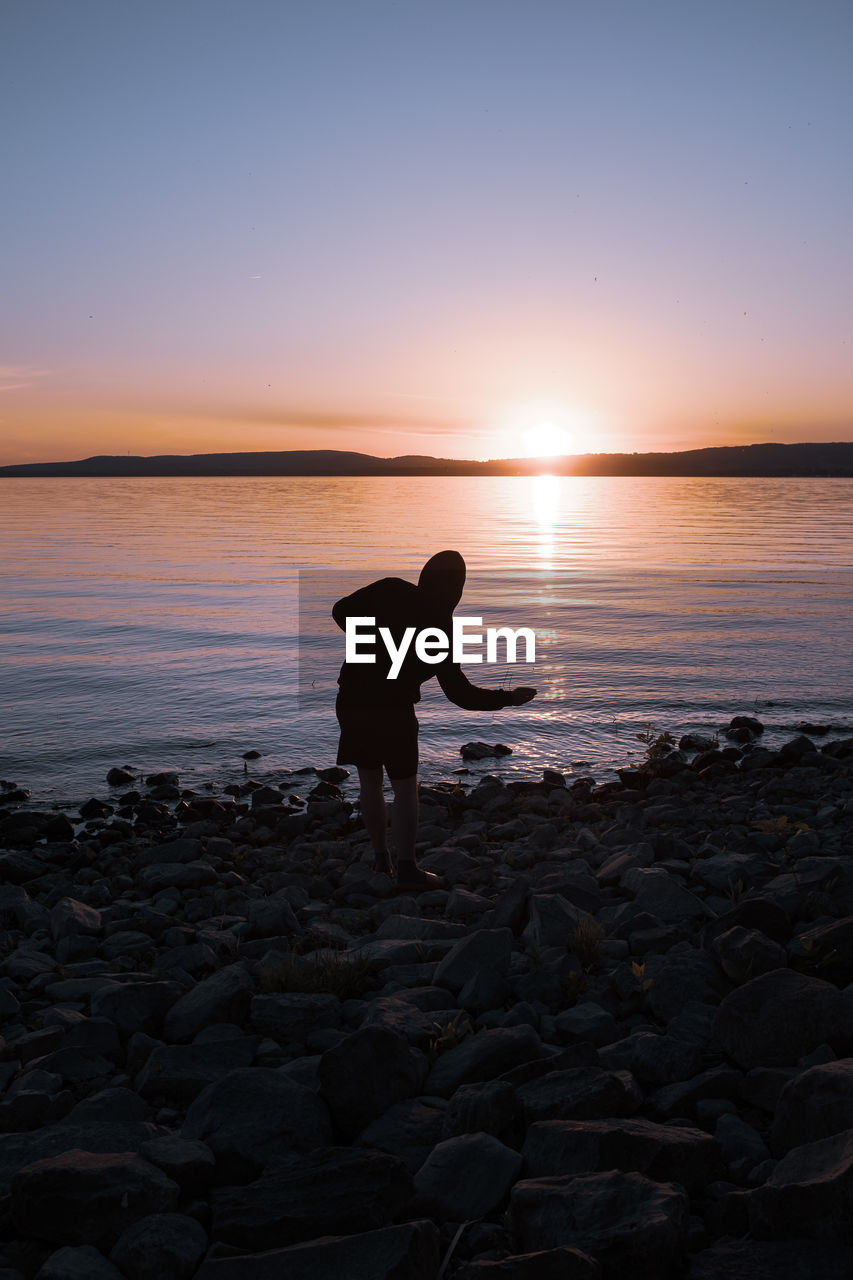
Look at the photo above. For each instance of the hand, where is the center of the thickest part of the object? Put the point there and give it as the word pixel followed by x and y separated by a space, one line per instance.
pixel 518 697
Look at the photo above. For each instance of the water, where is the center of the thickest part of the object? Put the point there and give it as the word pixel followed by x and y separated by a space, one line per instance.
pixel 154 622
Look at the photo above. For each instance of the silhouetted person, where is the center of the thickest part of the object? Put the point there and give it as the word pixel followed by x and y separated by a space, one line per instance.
pixel 379 728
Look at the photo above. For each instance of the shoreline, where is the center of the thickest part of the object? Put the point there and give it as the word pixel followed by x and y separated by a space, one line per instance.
pixel 225 1038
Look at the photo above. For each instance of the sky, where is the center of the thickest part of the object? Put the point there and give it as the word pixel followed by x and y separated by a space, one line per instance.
pixel 468 228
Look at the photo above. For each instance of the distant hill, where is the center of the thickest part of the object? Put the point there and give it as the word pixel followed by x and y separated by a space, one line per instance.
pixel 735 460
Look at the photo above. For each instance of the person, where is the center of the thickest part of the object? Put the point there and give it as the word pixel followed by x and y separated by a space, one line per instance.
pixel 378 725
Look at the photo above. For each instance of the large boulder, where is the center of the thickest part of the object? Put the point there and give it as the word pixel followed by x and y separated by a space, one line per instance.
pixel 467 1176
pixel 164 1246
pixel 778 1018
pixel 815 1104
pixel 365 1074
pixel 664 1153
pixel 410 1250
pixel 81 1197
pixel 809 1193
pixel 223 997
pixel 335 1191
pixel 633 1226
pixel 253 1116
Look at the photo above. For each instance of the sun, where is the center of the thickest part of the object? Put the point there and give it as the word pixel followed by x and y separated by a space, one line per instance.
pixel 547 441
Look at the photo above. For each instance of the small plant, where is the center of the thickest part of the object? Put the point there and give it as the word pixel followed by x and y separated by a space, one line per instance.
pixel 327 972
pixel 641 982
pixel 657 744
pixel 737 891
pixel 449 1035
pixel 586 943
pixel 572 985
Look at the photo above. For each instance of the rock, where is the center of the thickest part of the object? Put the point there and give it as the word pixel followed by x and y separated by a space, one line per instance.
pixel 176 875
pixel 751 724
pixel 826 948
pixel 551 921
pixel 809 1192
pixel 485 949
pixel 487 1107
pixel 681 1099
pixel 409 1130
pixel 664 1153
pixel 776 1019
pixel 815 1104
pixel 546 1264
pixel 70 917
pixel 253 1116
pixel 119 777
pixel 335 1191
pixel 579 1093
pixel 189 1163
pixel 135 1006
pixel 84 1262
pixel 167 1246
pixel 80 1197
pixel 20 1149
pixel 770 1260
pixel 290 1017
pixel 633 1226
pixel 746 953
pixel 586 1022
pixel 663 896
pixel 467 1176
pixel 223 997
pixel 481 750
pixel 406 1252
pixel 482 1057
pixel 365 1074
pixel 178 1072
pixel 652 1058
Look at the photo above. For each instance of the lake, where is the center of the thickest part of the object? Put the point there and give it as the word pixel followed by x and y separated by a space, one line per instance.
pixel 177 623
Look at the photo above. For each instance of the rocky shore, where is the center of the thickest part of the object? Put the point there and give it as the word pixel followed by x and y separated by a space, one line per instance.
pixel 619 1044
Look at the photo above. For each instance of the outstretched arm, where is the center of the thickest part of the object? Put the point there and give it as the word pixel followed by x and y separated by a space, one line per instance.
pixel 459 689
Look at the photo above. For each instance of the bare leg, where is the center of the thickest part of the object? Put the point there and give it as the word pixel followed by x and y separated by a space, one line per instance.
pixel 372 804
pixel 404 818
pixel 404 827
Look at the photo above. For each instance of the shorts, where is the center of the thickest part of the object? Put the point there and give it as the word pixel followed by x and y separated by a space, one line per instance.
pixel 378 737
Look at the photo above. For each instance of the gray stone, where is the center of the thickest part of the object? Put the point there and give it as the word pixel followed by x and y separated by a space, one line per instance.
pixel 166 1246
pixel 579 1093
pixel 586 1022
pixel 290 1017
pixel 545 1264
pixel 365 1074
pixel 467 1176
pixel 335 1191
pixel 70 916
pixel 746 953
pixel 83 1262
pixel 815 1104
pixel 484 949
pixel 664 1153
pixel 406 1252
pixel 484 1056
pixel 634 1227
pixel 188 1162
pixel 223 997
pixel 135 1006
pixel 409 1130
pixel 20 1149
pixel 487 1107
pixel 80 1197
pixel 551 921
pixel 178 1072
pixel 253 1116
pixel 771 1260
pixel 108 1105
pixel 780 1017
pixel 653 1058
pixel 809 1192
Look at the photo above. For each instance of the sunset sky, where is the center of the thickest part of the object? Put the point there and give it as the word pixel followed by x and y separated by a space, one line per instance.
pixel 472 228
